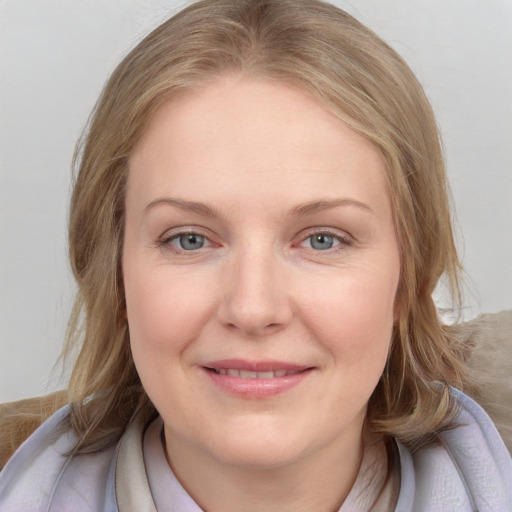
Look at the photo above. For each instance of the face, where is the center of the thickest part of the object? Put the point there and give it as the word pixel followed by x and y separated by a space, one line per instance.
pixel 260 268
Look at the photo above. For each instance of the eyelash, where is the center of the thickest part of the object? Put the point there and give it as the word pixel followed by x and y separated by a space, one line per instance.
pixel 165 242
pixel 344 241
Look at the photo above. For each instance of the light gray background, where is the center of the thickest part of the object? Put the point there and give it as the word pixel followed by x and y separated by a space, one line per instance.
pixel 54 58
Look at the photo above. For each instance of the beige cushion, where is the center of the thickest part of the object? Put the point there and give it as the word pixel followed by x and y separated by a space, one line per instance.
pixel 489 341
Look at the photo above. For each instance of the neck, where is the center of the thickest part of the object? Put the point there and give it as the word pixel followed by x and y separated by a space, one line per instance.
pixel 319 482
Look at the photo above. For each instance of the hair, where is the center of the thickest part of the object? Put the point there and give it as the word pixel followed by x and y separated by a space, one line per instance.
pixel 330 56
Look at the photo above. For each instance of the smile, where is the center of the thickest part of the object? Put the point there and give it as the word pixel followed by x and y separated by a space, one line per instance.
pixel 247 374
pixel 255 380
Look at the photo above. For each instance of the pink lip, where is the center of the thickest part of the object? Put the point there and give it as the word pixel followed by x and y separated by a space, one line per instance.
pixel 255 388
pixel 254 366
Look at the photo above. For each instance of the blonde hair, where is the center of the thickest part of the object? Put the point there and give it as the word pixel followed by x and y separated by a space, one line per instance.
pixel 330 56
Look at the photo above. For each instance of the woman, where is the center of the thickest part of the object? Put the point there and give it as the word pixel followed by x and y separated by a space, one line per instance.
pixel 258 223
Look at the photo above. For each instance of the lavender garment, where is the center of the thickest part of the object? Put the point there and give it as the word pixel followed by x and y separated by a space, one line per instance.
pixel 471 470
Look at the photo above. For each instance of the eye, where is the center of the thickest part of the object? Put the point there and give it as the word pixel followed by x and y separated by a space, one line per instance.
pixel 187 241
pixel 323 241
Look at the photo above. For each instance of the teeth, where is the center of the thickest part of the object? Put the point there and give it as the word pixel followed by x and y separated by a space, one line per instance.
pixel 246 374
pixel 266 375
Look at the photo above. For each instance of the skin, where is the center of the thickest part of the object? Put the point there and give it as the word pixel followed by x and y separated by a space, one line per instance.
pixel 274 168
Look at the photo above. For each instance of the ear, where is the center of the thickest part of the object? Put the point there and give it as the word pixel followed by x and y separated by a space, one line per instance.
pixel 123 314
pixel 397 309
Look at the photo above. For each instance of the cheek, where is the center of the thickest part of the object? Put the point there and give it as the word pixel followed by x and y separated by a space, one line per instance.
pixel 164 313
pixel 354 315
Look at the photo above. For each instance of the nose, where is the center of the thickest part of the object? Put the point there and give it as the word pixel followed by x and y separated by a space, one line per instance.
pixel 256 300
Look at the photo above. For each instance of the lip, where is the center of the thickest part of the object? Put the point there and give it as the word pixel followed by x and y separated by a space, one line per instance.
pixel 255 388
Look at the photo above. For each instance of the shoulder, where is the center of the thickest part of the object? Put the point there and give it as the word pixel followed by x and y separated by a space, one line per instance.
pixel 470 469
pixel 41 476
pixel 18 420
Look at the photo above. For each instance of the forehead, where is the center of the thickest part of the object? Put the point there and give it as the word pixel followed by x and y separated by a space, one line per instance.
pixel 261 135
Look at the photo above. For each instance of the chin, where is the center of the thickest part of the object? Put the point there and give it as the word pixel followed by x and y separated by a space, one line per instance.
pixel 260 445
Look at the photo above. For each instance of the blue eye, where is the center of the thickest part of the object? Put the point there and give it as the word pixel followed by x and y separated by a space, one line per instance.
pixel 322 241
pixel 189 241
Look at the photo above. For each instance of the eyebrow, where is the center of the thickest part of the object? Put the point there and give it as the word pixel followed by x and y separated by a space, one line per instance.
pixel 187 206
pixel 326 204
pixel 300 210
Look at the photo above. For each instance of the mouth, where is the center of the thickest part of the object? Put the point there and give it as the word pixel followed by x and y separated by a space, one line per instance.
pixel 248 374
pixel 255 380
